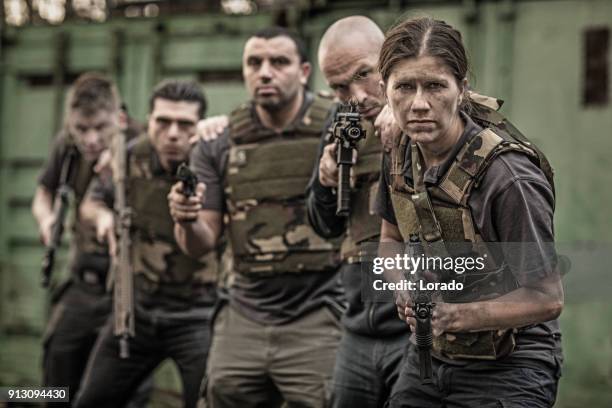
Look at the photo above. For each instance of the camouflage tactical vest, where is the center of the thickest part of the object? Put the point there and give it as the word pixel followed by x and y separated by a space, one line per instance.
pixel 440 215
pixel 266 178
pixel 156 255
pixel 363 223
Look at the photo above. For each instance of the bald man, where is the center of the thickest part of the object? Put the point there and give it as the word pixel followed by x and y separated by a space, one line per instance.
pixel 373 343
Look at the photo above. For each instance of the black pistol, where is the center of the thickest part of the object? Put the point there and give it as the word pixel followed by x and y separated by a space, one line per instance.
pixel 423 309
pixel 347 132
pixel 189 179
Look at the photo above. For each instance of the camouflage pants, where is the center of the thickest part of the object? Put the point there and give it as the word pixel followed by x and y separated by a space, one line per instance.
pixel 255 365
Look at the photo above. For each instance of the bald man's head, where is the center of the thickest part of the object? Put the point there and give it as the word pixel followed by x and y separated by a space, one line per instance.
pixel 348 54
pixel 351 32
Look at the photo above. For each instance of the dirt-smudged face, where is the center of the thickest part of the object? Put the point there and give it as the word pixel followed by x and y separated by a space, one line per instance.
pixel 425 99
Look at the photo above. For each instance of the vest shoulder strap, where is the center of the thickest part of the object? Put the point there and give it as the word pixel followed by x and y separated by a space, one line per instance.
pixel 243 128
pixel 79 172
pixel 473 160
pixel 316 115
pixel 488 117
pixel 142 148
pixel 242 125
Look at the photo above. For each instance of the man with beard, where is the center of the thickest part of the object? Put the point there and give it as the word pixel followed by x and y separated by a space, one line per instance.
pixel 371 350
pixel 174 293
pixel 369 355
pixel 275 337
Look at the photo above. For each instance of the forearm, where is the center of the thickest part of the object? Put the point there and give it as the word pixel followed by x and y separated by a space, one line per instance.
pixel 321 206
pixel 521 307
pixel 199 237
pixel 91 211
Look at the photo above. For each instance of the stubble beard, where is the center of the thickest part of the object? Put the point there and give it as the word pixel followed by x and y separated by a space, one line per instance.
pixel 271 105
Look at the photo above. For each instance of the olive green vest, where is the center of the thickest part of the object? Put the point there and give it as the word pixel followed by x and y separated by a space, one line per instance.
pixel 155 254
pixel 265 182
pixel 440 215
pixel 363 222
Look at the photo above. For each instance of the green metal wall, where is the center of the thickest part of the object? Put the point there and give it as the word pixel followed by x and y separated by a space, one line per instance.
pixel 37 64
pixel 529 53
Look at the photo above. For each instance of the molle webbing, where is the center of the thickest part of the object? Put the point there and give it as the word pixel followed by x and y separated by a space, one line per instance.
pixel 282 168
pixel 155 253
pixel 364 223
pixel 485 116
pixel 440 215
pixel 81 175
pixel 245 127
pixel 147 195
pixel 266 178
pixel 369 155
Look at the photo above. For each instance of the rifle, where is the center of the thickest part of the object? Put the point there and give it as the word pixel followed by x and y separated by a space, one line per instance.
pixel 60 210
pixel 347 132
pixel 423 308
pixel 123 290
pixel 189 179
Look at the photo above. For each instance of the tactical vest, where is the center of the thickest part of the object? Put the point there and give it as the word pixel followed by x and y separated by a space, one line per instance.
pixel 85 234
pixel 156 256
pixel 265 182
pixel 440 215
pixel 86 253
pixel 363 223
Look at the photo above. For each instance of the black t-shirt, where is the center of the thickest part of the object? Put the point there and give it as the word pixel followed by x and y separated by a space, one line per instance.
pixel 274 299
pixel 370 318
pixel 513 202
pixel 86 253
